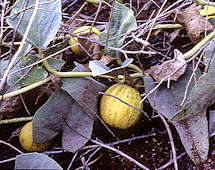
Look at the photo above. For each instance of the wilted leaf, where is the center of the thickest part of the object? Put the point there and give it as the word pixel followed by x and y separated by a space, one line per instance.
pixel 99 68
pixel 200 98
pixel 36 161
pixel 193 132
pixel 123 21
pixel 209 57
pixel 49 119
pixel 212 122
pixel 62 114
pixel 46 22
pixel 158 72
pixel 78 130
pixel 29 75
pixel 195 24
pixel 168 100
pixel 84 91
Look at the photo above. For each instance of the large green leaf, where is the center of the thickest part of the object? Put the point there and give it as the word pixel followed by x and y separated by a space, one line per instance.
pixel 4 63
pixel 31 75
pixel 122 22
pixel 36 161
pixel 28 76
pixel 46 22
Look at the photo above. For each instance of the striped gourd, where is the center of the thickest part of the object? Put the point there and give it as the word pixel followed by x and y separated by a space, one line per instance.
pixel 116 113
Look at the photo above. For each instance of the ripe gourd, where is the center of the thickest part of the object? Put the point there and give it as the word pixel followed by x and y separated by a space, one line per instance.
pixel 81 31
pixel 26 139
pixel 116 113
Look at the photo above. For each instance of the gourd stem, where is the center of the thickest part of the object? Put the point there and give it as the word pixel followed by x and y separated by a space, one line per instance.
pixel 130 66
pixel 62 74
pixel 135 75
pixel 24 89
pixel 195 49
pixel 14 120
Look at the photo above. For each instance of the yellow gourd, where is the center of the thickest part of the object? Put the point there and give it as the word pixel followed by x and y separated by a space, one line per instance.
pixel 116 113
pixel 80 31
pixel 26 140
pixel 208 11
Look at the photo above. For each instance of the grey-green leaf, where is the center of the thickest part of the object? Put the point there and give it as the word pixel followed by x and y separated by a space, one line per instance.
pixel 122 23
pixel 192 129
pixel 168 100
pixel 55 63
pixel 62 114
pixel 200 98
pixel 27 76
pixel 49 119
pixel 78 129
pixel 193 132
pixel 45 24
pixel 35 161
pixel 84 90
pixel 209 57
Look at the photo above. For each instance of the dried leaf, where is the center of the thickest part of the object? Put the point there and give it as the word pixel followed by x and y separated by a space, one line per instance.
pixel 106 59
pixel 158 72
pixel 9 107
pixel 195 24
pixel 91 47
pixel 172 36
